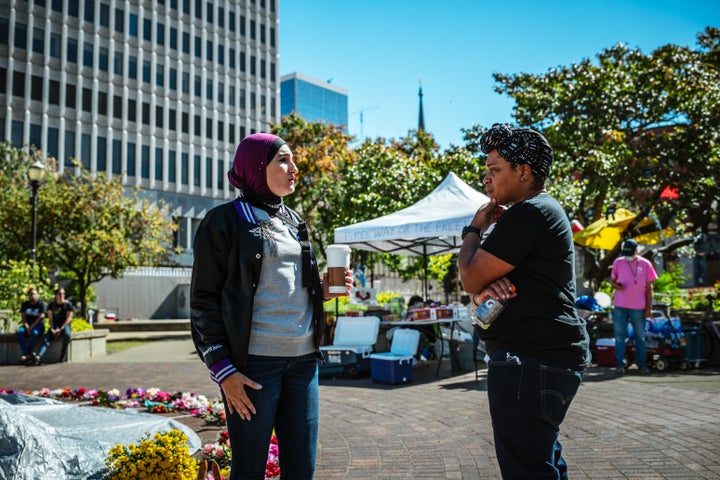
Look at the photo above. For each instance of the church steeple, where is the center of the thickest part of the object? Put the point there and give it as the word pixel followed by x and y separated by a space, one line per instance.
pixel 421 117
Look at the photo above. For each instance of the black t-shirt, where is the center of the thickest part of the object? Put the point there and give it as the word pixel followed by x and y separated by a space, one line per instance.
pixel 59 312
pixel 33 310
pixel 541 321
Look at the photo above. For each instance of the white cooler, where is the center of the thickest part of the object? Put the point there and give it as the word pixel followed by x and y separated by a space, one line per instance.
pixel 353 343
pixel 396 366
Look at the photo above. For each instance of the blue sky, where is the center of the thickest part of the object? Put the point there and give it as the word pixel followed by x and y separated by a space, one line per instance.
pixel 380 51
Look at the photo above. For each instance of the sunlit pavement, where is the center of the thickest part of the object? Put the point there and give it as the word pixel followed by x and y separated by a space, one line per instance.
pixel 663 425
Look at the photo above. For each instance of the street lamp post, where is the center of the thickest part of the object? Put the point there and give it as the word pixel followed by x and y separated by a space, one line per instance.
pixel 36 174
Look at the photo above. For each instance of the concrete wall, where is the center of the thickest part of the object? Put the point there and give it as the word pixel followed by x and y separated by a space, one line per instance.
pixel 146 293
pixel 84 345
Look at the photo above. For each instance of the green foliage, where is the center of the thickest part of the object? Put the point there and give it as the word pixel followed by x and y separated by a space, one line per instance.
pixel 16 277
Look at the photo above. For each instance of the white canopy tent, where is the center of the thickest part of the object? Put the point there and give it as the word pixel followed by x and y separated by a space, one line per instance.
pixel 429 227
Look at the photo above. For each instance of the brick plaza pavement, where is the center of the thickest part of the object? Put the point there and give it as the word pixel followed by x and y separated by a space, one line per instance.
pixel 665 425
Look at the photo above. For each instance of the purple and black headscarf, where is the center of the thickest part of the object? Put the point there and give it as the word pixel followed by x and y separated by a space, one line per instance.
pixel 249 171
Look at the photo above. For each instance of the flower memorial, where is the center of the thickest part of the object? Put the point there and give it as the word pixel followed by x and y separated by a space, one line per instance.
pixel 152 455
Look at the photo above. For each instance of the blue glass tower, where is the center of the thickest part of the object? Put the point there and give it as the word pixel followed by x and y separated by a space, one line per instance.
pixel 314 100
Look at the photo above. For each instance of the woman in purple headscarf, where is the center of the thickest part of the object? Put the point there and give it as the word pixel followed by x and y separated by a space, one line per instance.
pixel 256 312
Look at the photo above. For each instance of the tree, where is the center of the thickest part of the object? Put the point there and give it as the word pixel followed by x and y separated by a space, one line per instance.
pixel 626 127
pixel 93 228
pixel 89 226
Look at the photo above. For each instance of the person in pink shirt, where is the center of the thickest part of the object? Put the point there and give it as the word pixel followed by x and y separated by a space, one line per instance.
pixel 633 277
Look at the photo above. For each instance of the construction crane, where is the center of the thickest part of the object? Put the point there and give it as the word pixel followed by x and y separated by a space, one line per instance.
pixel 361 111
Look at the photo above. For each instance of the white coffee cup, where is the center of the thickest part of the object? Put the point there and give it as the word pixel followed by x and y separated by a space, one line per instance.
pixel 338 262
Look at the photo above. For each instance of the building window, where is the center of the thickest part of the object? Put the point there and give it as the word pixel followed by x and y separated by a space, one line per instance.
pixel 196 170
pixel 184 167
pixel 173 79
pixel 159 116
pixel 131 159
pixel 145 161
pixel 133 25
pixel 172 120
pixel 102 103
pixel 231 95
pixel 198 9
pixel 119 20
pixel 242 25
pixel 146 71
pixel 185 82
pixel 17 134
pixel 221 131
pixel 253 62
pixel 208 127
pixel 90 11
pixel 242 101
pixel 160 76
pixel 72 50
pixel 171 166
pixel 198 47
pixel 101 160
pixel 70 96
pixel 272 37
pixel 186 7
pixel 221 55
pixel 209 12
pixel 20 35
pixel 262 33
pixel 87 100
pixel 208 172
pixel 53 142
pixel 18 84
pixel 69 148
pixel 147 29
pixel 186 43
pixel 198 86
pixel 160 34
pixel 85 150
pixel 197 127
pixel 272 71
pixel 209 89
pixel 185 122
pixel 253 102
pixel 219 175
pixel 253 29
pixel 4 31
pixel 118 64
pixel 57 5
pixel 262 68
pixel 132 110
pixel 173 38
pixel 55 42
pixel 231 134
pixel 35 135
pixel 132 67
pixel 53 92
pixel 146 113
pixel 221 92
pixel 158 163
pixel 231 58
pixel 209 50
pixel 116 157
pixel 38 42
pixel 88 54
pixel 242 61
pixel 221 17
pixel 36 89
pixel 73 8
pixel 117 106
pixel 103 60
pixel 231 21
pixel 104 15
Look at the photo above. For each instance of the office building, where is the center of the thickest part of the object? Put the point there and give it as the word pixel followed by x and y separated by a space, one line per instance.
pixel 156 93
pixel 314 100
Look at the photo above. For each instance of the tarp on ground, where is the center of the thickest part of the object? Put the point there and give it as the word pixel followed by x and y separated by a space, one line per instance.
pixel 46 438
pixel 430 226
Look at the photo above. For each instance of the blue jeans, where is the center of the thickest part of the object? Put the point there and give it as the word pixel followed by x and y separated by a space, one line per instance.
pixel 66 335
pixel 287 401
pixel 620 326
pixel 27 346
pixel 528 402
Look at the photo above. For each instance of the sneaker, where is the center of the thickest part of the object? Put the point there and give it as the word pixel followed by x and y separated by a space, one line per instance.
pixel 23 358
pixel 35 359
pixel 620 371
pixel 644 371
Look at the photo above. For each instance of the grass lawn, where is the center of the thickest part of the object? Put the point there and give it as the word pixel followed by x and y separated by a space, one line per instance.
pixel 120 345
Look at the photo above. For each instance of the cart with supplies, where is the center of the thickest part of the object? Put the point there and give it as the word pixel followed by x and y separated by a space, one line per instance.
pixel 666 342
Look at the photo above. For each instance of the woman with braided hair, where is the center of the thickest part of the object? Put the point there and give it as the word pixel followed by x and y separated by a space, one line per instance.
pixel 538 345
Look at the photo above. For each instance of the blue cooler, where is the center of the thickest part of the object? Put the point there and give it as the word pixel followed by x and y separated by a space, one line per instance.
pixel 396 366
pixel 353 342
